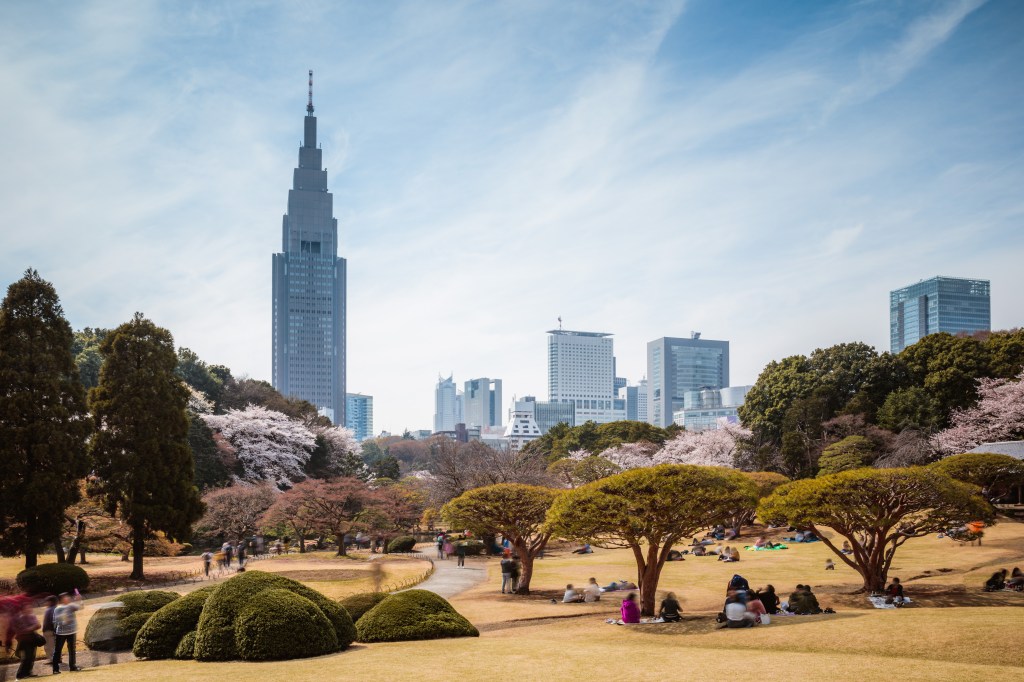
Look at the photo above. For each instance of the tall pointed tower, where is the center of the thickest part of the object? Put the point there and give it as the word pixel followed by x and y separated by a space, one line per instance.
pixel 309 288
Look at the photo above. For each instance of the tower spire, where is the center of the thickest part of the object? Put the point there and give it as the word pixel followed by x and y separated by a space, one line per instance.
pixel 309 106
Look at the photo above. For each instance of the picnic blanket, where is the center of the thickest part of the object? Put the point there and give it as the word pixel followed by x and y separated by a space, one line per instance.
pixel 879 602
pixel 751 548
pixel 643 621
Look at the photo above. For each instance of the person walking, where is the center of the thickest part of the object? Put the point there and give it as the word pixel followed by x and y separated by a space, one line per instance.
pixel 207 560
pixel 65 629
pixel 440 545
pixel 24 625
pixel 448 549
pixel 460 552
pixel 227 554
pixel 51 605
pixel 240 552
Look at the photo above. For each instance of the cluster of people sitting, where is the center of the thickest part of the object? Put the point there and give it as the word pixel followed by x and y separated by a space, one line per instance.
pixel 801 536
pixel 592 591
pixel 670 611
pixel 720 532
pixel 764 543
pixel 1002 580
pixel 729 554
pixel 745 608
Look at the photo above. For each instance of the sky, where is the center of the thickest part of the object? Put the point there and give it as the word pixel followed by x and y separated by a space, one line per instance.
pixel 761 172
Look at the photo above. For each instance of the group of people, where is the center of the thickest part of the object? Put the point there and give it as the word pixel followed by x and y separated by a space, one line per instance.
pixel 745 608
pixel 22 630
pixel 224 556
pixel 593 591
pixel 445 548
pixel 669 612
pixel 1004 580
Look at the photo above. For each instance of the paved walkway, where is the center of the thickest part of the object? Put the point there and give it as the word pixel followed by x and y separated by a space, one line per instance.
pixel 449 580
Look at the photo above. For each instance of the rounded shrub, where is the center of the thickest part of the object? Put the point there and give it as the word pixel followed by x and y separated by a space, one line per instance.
pixel 53 579
pixel 403 543
pixel 415 614
pixel 280 624
pixel 114 629
pixel 215 634
pixel 186 647
pixel 359 604
pixel 160 637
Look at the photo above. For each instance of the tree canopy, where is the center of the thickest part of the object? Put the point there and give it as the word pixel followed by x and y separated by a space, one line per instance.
pixel 995 474
pixel 877 511
pixel 562 439
pixel 650 509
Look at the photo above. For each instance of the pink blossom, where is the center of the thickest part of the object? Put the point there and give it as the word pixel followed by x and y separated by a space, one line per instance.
pixel 269 445
pixel 998 416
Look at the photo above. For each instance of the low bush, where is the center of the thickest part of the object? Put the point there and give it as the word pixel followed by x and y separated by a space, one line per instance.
pixel 473 546
pixel 403 543
pixel 410 615
pixel 160 637
pixel 359 604
pixel 215 634
pixel 53 579
pixel 186 647
pixel 279 624
pixel 114 629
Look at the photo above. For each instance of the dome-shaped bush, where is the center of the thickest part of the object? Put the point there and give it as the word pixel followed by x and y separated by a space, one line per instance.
pixel 162 633
pixel 114 629
pixel 215 635
pixel 280 624
pixel 53 579
pixel 359 604
pixel 403 543
pixel 415 614
pixel 186 648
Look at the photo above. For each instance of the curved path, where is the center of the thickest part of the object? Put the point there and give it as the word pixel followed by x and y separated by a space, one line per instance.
pixel 448 580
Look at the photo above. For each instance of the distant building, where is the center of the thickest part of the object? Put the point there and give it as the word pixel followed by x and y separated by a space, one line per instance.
pixel 308 313
pixel 547 414
pixel 581 371
pixel 482 402
pixel 447 405
pixel 675 366
pixel 421 434
pixel 635 398
pixel 359 415
pixel 939 304
pixel 522 427
pixel 710 408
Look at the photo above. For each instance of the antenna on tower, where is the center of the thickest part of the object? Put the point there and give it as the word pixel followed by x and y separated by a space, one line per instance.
pixel 559 323
pixel 309 107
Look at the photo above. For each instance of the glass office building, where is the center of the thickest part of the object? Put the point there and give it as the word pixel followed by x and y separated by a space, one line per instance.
pixel 309 289
pixel 939 304
pixel 359 415
pixel 678 366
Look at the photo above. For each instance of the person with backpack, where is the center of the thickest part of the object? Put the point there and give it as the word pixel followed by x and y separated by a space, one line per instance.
pixel 65 629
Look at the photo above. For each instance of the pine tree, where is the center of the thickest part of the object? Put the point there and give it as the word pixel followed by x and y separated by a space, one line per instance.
pixel 44 425
pixel 141 444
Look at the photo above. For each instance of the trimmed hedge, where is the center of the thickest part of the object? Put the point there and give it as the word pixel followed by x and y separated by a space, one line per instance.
pixel 215 634
pixel 403 543
pixel 114 629
pixel 359 604
pixel 53 579
pixel 280 624
pixel 186 647
pixel 415 614
pixel 162 634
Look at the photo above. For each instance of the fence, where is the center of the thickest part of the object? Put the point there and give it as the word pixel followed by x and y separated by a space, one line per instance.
pixel 410 582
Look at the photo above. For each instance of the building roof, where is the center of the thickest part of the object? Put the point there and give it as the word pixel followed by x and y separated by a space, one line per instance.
pixel 567 332
pixel 1013 448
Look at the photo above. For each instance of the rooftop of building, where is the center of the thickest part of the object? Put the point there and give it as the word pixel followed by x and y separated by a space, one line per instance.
pixel 1013 448
pixel 568 332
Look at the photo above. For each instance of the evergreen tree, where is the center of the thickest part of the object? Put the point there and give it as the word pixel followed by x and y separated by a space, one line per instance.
pixel 44 425
pixel 141 447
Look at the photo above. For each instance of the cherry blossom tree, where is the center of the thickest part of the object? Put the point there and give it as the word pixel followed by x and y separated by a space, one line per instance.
pixel 714 447
pixel 998 416
pixel 235 512
pixel 269 445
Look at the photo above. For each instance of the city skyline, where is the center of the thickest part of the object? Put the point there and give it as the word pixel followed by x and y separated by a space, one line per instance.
pixel 766 174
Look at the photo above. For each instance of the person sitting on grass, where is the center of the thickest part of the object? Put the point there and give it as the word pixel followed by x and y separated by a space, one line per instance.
pixel 592 592
pixel 571 596
pixel 1016 581
pixel 894 593
pixel 675 555
pixel 736 613
pixel 769 599
pixel 585 549
pixel 739 583
pixel 699 550
pixel 761 542
pixel 630 609
pixel 847 549
pixel 830 565
pixel 997 582
pixel 670 611
pixel 725 554
pixel 809 536
pixel 734 554
pixel 803 602
pixel 730 534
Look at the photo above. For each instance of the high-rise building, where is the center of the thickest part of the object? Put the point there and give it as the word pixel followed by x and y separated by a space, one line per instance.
pixel 447 405
pixel 636 401
pixel 547 414
pixel 309 288
pixel 709 408
pixel 939 304
pixel 359 415
pixel 481 402
pixel 581 370
pixel 675 366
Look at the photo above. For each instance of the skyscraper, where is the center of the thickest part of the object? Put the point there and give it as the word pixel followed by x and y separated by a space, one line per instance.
pixel 447 405
pixel 359 415
pixel 309 288
pixel 581 370
pixel 939 304
pixel 636 401
pixel 481 402
pixel 675 366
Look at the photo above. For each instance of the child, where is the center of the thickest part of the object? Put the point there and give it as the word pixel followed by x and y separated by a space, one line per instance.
pixel 830 565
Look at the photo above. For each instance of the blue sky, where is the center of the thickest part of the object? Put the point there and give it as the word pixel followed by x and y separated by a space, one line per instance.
pixel 764 172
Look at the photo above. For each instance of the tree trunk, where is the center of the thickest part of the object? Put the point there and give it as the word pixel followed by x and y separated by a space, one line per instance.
pixel 342 550
pixel 302 543
pixel 58 549
pixel 31 558
pixel 138 551
pixel 81 556
pixel 649 588
pixel 526 572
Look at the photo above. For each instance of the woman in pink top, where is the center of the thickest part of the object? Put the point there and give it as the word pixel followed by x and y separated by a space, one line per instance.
pixel 630 609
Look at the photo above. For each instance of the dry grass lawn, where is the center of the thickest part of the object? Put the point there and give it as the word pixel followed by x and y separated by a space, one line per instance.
pixel 954 633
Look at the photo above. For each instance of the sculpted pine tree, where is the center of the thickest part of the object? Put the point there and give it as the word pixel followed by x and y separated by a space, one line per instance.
pixel 141 445
pixel 43 420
